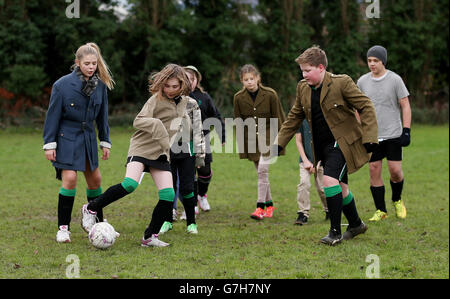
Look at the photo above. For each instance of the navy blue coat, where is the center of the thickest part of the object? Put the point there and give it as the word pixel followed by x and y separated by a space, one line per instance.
pixel 69 124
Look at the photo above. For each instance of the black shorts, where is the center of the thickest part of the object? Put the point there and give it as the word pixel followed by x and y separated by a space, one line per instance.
pixel 161 163
pixel 390 149
pixel 333 162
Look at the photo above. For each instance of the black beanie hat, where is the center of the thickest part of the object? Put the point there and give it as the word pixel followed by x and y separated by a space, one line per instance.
pixel 378 52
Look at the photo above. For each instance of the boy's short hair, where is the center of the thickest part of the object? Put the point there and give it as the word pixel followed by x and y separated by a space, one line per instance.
pixel 313 56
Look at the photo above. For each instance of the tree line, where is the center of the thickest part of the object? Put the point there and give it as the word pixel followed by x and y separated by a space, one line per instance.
pixel 38 41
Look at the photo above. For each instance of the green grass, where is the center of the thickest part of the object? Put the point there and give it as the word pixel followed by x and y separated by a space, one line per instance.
pixel 229 244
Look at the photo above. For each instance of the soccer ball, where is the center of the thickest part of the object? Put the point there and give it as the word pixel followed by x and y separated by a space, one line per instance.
pixel 102 235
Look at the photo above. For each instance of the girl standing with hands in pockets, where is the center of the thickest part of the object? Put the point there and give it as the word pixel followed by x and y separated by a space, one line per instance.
pixel 259 103
pixel 158 124
pixel 70 142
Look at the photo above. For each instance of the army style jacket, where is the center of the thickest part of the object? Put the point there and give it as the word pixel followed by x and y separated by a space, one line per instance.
pixel 340 98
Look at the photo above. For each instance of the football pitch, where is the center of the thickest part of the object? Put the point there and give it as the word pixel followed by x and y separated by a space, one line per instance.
pixel 230 245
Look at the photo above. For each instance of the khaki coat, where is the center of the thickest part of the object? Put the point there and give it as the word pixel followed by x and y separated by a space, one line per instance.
pixel 253 122
pixel 340 99
pixel 161 122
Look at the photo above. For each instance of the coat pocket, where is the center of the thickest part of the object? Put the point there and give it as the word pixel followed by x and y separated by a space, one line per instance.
pixel 336 113
pixel 65 148
pixel 357 151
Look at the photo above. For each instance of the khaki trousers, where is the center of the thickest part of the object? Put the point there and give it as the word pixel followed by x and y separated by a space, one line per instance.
pixel 263 181
pixel 303 190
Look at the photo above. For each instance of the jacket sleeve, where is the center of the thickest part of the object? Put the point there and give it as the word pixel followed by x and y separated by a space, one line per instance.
pixel 141 120
pixel 293 122
pixel 277 110
pixel 354 96
pixel 102 121
pixel 144 121
pixel 237 112
pixel 52 119
pixel 198 137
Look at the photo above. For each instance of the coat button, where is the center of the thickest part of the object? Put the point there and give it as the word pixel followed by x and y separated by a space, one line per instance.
pixel 62 134
pixel 335 105
pixel 72 104
pixel 254 109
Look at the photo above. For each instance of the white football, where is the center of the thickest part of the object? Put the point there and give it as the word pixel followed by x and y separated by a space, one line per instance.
pixel 102 235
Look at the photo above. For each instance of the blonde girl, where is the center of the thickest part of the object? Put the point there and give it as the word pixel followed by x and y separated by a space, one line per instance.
pixel 70 141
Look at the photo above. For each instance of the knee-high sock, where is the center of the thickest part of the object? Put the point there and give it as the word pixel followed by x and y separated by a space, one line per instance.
pixel 350 211
pixel 202 188
pixel 66 198
pixel 203 182
pixel 378 197
pixel 92 194
pixel 113 193
pixel 160 212
pixel 204 178
pixel 397 189
pixel 334 203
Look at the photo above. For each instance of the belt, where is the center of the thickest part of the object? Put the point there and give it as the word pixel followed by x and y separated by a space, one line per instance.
pixel 76 124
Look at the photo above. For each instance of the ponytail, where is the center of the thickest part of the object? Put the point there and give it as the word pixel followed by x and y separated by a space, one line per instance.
pixel 102 68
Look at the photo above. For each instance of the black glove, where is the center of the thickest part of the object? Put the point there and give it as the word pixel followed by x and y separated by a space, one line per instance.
pixel 405 139
pixel 370 147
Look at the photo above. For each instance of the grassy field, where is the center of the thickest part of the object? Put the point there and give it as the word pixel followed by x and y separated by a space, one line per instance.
pixel 229 244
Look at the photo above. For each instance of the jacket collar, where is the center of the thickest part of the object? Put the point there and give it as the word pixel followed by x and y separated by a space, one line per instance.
pixel 259 97
pixel 180 107
pixel 76 83
pixel 326 85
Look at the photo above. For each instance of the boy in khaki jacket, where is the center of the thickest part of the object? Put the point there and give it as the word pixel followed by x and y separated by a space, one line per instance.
pixel 343 144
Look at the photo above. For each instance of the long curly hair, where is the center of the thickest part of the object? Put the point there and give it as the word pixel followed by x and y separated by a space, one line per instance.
pixel 157 80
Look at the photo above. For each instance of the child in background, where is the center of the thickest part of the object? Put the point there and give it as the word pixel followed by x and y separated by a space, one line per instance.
pixel 390 97
pixel 208 111
pixel 303 140
pixel 260 104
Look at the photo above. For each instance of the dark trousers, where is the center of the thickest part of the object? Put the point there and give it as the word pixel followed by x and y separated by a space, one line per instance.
pixel 183 169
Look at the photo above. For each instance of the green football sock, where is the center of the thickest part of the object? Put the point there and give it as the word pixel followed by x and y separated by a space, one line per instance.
pixel 67 192
pixel 347 199
pixel 129 184
pixel 167 194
